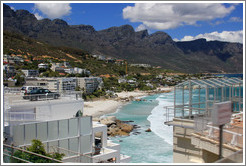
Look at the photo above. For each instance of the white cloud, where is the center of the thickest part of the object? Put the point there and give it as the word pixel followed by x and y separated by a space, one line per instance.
pixel 163 16
pixel 54 10
pixel 11 7
pixel 229 36
pixel 235 19
pixel 140 27
pixel 38 16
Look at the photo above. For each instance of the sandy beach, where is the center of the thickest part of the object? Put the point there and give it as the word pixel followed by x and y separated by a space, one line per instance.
pixel 106 106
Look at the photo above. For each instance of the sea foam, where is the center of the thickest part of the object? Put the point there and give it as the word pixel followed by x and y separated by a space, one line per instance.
pixel 157 118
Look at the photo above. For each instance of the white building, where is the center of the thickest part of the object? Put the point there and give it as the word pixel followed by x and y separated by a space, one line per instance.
pixel 122 80
pixel 31 73
pixel 43 66
pixel 141 65
pixel 9 70
pixel 90 84
pixel 54 123
pixel 69 70
pixel 67 83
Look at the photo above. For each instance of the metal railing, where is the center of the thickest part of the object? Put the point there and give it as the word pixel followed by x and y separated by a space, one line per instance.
pixel 9 155
pixel 72 156
pixel 232 135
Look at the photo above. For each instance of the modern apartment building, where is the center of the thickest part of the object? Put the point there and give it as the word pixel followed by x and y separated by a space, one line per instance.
pixel 9 70
pixel 54 123
pixel 89 84
pixel 31 73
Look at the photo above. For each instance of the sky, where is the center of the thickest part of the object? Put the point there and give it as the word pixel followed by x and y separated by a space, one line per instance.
pixel 182 21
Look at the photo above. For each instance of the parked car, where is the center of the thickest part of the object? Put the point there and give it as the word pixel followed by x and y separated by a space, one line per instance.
pixel 28 89
pixel 41 94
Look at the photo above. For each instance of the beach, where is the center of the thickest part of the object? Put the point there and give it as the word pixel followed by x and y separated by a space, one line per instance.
pixel 106 106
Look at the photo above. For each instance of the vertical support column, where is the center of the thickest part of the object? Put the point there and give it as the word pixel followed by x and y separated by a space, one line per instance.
pixel 207 112
pixel 221 141
pixel 199 99
pixel 235 98
pixel 183 101
pixel 48 144
pixel 239 101
pixel 222 93
pixel 232 97
pixel 68 134
pixel 174 104
pixel 214 95
pixel 104 137
pixel 58 135
pixel 230 93
pixel 190 100
pixel 79 136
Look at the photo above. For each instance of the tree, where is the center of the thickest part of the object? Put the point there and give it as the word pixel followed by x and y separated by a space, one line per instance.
pixel 122 72
pixel 77 88
pixel 37 147
pixel 20 78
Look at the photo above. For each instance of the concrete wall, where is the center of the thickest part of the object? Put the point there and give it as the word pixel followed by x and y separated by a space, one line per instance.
pixel 183 150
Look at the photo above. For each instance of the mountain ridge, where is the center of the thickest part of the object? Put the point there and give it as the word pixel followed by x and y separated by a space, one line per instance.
pixel 124 43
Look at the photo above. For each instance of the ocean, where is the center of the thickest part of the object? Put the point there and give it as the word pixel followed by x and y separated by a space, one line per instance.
pixel 155 146
pixel 147 147
pixel 230 75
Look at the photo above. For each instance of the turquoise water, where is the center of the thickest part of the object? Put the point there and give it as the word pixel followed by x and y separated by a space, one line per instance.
pixel 147 147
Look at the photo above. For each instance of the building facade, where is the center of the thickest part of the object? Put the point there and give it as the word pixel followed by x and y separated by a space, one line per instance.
pixel 31 73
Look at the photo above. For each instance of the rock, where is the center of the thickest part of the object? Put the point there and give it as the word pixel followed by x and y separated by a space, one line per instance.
pixel 136 126
pixel 148 130
pixel 108 120
pixel 126 127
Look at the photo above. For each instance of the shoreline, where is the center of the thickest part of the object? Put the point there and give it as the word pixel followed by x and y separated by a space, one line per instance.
pixel 106 106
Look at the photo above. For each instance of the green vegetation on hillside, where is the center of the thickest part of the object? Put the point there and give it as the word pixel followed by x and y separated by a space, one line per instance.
pixel 36 52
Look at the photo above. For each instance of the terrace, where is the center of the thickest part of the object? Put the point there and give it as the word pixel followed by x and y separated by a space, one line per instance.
pixel 191 118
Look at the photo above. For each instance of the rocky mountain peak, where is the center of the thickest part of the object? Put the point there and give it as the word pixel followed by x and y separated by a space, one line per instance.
pixel 84 28
pixel 7 11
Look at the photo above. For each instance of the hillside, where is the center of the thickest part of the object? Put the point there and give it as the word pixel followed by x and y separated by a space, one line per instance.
pixel 34 50
pixel 124 43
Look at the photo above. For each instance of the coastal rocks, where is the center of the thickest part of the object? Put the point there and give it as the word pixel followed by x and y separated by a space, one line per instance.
pixel 148 130
pixel 108 120
pixel 116 127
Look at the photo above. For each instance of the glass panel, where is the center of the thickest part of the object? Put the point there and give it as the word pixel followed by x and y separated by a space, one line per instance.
pixel 73 127
pixel 86 125
pixel 30 133
pixel 53 146
pixel 18 135
pixel 64 147
pixel 52 130
pixel 42 131
pixel 46 147
pixel 63 129
pixel 86 144
pixel 73 146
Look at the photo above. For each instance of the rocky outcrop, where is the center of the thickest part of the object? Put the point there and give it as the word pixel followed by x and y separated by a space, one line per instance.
pixel 115 126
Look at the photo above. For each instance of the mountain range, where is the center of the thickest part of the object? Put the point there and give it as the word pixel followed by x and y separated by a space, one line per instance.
pixel 124 42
